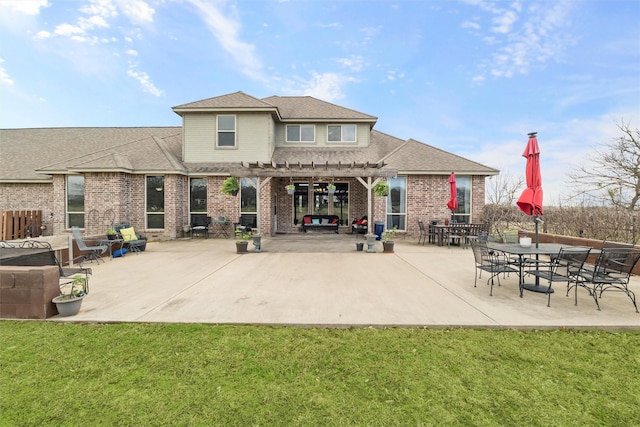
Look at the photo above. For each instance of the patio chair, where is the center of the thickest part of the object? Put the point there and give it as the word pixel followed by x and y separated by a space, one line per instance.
pixel 200 226
pixel 611 272
pixel 133 241
pixel 565 268
pixel 489 261
pixel 93 251
pixel 423 233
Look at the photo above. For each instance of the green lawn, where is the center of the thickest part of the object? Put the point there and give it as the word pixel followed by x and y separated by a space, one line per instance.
pixel 155 374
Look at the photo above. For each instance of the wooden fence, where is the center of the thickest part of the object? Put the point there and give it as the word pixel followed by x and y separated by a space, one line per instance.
pixel 20 224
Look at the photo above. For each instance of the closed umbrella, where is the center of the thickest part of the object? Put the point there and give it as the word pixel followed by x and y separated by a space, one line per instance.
pixel 452 204
pixel 530 201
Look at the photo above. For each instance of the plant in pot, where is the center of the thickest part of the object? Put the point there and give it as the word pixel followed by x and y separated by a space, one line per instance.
pixel 71 295
pixel 388 237
pixel 242 241
pixel 230 186
pixel 331 188
pixel 112 234
pixel 291 188
pixel 381 189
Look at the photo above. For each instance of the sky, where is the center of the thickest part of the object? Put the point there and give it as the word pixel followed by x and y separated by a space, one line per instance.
pixel 472 77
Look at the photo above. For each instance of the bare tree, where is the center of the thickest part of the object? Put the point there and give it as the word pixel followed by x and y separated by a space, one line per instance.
pixel 503 189
pixel 613 177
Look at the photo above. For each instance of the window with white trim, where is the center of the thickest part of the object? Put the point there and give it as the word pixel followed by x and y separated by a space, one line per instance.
pixel 226 131
pixel 75 201
pixel 463 192
pixel 301 133
pixel 397 203
pixel 341 133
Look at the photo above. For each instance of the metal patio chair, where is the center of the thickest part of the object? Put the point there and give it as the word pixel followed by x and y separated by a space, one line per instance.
pixel 93 251
pixel 565 268
pixel 489 261
pixel 611 272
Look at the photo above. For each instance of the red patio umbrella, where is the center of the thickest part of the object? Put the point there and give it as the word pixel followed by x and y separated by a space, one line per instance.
pixel 452 204
pixel 530 201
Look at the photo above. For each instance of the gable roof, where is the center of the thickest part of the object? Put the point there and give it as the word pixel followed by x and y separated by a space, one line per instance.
pixel 237 101
pixel 307 108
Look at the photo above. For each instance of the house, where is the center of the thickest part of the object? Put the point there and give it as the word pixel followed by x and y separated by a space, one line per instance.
pixel 158 178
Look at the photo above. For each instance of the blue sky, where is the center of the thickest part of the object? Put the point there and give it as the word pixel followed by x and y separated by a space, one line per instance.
pixel 471 77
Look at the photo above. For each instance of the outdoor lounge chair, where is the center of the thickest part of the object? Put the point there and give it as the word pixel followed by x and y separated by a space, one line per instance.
pixel 133 241
pixel 565 268
pixel 93 251
pixel 611 272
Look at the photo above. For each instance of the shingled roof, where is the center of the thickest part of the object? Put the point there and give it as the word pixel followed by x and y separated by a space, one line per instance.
pixel 307 108
pixel 25 151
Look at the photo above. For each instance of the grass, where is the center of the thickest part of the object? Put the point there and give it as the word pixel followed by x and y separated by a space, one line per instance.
pixel 183 374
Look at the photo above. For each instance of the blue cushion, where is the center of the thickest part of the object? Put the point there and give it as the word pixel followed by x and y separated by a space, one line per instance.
pixel 315 221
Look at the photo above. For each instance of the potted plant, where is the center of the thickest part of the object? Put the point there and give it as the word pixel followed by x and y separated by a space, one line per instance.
pixel 242 241
pixel 291 188
pixel 388 237
pixel 230 186
pixel 331 188
pixel 111 234
pixel 381 189
pixel 71 295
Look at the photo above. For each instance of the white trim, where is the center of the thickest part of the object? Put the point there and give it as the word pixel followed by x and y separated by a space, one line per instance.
pixel 235 131
pixel 342 140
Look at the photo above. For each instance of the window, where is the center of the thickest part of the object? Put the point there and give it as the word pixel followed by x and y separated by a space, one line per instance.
pixel 341 133
pixel 197 197
pixel 463 192
pixel 248 197
pixel 300 202
pixel 341 202
pixel 75 201
pixel 226 131
pixel 155 202
pixel 301 133
pixel 397 203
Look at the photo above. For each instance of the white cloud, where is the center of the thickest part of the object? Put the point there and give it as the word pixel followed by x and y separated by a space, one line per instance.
pixel 137 11
pixel 103 8
pixel 226 29
pixel 471 25
pixel 5 79
pixel 131 52
pixel 30 7
pixel 354 63
pixel 145 81
pixel 538 39
pixel 326 86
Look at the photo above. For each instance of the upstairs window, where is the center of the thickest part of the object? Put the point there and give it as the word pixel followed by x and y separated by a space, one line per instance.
pixel 341 133
pixel 301 133
pixel 226 131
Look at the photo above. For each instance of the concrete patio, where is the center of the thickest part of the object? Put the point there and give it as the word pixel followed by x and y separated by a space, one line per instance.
pixel 319 279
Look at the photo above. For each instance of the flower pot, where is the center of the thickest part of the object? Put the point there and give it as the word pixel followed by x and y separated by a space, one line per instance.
pixel 257 241
pixel 241 247
pixel 387 247
pixel 359 246
pixel 291 191
pixel 111 237
pixel 68 306
pixel 371 241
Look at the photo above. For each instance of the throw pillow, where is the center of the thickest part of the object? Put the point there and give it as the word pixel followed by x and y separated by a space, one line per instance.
pixel 315 221
pixel 128 234
pixel 306 219
pixel 334 221
pixel 325 221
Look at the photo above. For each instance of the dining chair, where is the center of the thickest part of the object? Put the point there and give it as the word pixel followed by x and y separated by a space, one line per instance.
pixel 423 232
pixel 565 268
pixel 610 272
pixel 489 261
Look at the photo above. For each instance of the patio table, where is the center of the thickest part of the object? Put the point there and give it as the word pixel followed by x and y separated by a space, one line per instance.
pixel 549 249
pixel 221 228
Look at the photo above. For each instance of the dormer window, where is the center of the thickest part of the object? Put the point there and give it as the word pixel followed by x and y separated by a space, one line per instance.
pixel 341 133
pixel 226 131
pixel 301 133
